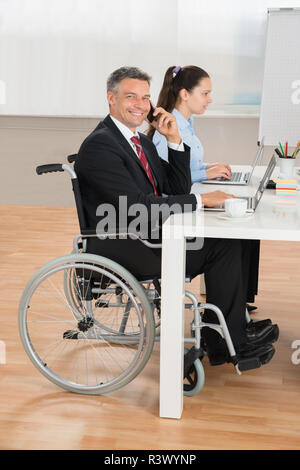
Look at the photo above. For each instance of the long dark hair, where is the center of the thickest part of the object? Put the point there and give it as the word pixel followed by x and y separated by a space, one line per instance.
pixel 186 77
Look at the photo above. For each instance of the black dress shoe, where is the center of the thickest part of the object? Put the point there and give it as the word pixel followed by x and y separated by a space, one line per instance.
pixel 258 324
pixel 266 335
pixel 218 356
pixel 250 350
pixel 265 358
pixel 256 360
pixel 258 331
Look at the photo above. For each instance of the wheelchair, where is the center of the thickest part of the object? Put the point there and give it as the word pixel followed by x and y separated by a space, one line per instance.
pixel 89 326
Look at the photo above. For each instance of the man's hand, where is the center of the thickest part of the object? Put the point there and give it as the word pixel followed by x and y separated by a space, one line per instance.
pixel 218 170
pixel 216 198
pixel 165 123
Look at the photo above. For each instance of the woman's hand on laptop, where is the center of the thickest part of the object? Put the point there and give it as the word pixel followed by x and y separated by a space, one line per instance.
pixel 218 170
pixel 215 198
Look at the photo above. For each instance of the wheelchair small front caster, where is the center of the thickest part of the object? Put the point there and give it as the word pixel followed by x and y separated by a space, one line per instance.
pixel 194 376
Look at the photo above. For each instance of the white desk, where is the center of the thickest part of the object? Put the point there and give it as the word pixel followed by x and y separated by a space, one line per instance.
pixel 276 218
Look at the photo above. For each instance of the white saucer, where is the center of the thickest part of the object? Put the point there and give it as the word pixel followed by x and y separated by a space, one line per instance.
pixel 227 217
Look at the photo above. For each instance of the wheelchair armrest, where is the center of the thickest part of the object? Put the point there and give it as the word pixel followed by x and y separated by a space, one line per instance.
pixel 133 235
pixel 92 233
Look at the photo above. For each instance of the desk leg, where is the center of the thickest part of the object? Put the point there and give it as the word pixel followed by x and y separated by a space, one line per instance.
pixel 172 327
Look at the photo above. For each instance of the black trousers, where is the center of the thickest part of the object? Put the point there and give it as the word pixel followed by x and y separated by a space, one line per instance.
pixel 220 260
pixel 250 266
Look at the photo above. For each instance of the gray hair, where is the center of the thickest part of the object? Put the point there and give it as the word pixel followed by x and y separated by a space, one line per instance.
pixel 120 74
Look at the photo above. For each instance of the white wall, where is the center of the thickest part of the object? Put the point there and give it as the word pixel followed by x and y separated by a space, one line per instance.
pixel 55 55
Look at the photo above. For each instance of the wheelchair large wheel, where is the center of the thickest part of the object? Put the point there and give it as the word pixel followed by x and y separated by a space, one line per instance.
pixel 72 296
pixel 74 299
pixel 100 340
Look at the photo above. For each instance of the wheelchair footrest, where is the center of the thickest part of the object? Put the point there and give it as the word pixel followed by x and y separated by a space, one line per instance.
pixel 248 364
pixel 190 357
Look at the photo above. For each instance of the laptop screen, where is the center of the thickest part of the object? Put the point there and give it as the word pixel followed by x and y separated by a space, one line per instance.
pixel 257 158
pixel 264 181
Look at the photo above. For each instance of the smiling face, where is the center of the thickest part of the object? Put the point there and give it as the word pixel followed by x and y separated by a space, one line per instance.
pixel 130 104
pixel 197 100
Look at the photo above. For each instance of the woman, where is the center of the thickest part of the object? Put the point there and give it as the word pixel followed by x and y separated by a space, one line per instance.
pixel 186 91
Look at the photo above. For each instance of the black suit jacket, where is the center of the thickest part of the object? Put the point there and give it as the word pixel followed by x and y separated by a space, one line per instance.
pixel 107 168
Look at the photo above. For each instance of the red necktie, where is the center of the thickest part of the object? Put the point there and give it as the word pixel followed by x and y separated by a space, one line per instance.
pixel 144 161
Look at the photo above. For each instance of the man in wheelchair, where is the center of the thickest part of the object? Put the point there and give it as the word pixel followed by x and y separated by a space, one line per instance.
pixel 116 161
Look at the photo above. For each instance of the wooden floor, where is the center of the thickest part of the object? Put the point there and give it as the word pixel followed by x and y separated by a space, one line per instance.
pixel 258 410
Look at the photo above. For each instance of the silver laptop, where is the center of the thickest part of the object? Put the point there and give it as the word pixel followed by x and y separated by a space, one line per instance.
pixel 240 178
pixel 253 201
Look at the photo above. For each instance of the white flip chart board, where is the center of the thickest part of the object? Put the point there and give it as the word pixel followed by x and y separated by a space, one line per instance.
pixel 280 104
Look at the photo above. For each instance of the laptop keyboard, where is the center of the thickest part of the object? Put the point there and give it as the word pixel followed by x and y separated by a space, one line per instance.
pixel 236 177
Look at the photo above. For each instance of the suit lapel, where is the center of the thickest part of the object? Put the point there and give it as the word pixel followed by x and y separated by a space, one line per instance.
pixel 108 122
pixel 125 145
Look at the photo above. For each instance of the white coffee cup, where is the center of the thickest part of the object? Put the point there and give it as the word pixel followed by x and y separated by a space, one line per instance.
pixel 236 207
